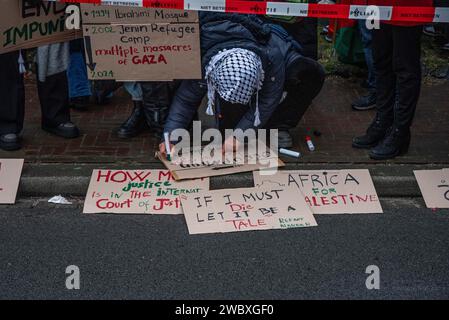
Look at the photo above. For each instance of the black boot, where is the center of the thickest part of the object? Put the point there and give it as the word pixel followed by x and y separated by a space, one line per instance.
pixel 135 124
pixel 10 142
pixel 367 102
pixel 395 143
pixel 374 134
pixel 156 104
pixel 156 116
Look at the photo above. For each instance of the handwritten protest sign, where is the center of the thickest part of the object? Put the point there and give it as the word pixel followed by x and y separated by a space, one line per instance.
pixel 187 168
pixel 141 44
pixel 10 171
pixel 23 25
pixel 138 192
pixel 330 192
pixel 246 209
pixel 434 186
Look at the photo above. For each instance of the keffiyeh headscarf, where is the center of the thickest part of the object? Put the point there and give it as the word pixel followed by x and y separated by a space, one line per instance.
pixel 236 74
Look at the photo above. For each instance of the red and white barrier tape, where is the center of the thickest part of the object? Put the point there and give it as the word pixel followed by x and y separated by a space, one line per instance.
pixel 338 11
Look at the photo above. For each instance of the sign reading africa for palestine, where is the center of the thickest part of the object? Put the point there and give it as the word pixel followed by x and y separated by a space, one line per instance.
pixel 141 44
pixel 329 191
pixel 23 25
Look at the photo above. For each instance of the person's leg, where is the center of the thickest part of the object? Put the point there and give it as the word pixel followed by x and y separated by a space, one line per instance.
pixel 54 99
pixel 382 46
pixel 135 123
pixel 407 68
pixel 12 105
pixel 79 85
pixel 368 101
pixel 157 97
pixel 304 80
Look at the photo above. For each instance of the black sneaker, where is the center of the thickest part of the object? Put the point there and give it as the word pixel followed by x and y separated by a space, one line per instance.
pixel 395 143
pixel 374 134
pixel 135 124
pixel 367 102
pixel 66 130
pixel 10 142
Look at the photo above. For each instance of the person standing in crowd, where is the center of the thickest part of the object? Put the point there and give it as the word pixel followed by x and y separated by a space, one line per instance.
pixel 444 26
pixel 397 61
pixel 255 77
pixel 366 102
pixel 51 62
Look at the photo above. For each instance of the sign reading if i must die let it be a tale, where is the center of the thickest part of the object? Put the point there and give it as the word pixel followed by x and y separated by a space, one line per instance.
pixel 329 191
pixel 141 44
pixel 138 192
pixel 246 209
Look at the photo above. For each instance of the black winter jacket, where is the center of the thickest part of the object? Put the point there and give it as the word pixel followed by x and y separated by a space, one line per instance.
pixel 226 31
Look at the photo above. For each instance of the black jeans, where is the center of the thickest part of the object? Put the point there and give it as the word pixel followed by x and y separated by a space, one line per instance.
pixel 12 94
pixel 157 97
pixel 397 61
pixel 53 97
pixel 304 80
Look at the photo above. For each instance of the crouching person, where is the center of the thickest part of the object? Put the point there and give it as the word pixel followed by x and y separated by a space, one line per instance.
pixel 255 77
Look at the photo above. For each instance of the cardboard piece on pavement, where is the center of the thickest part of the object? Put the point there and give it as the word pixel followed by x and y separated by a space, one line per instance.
pixel 246 209
pixel 187 169
pixel 434 186
pixel 10 172
pixel 138 192
pixel 329 192
pixel 24 26
pixel 141 44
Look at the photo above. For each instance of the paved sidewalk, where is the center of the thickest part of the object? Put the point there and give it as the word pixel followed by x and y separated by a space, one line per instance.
pixel 331 115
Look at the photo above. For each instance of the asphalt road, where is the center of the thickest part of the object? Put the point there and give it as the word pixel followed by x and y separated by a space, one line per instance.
pixel 154 257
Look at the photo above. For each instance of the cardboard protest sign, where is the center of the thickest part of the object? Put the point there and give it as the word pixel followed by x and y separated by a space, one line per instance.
pixel 330 192
pixel 246 209
pixel 10 172
pixel 187 168
pixel 138 192
pixel 141 44
pixel 23 25
pixel 434 186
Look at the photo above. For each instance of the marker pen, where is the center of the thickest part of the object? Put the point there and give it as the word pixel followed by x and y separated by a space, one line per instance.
pixel 290 153
pixel 167 145
pixel 310 143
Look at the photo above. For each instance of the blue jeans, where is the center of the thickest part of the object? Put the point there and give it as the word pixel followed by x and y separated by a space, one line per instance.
pixel 134 89
pixel 367 39
pixel 79 85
